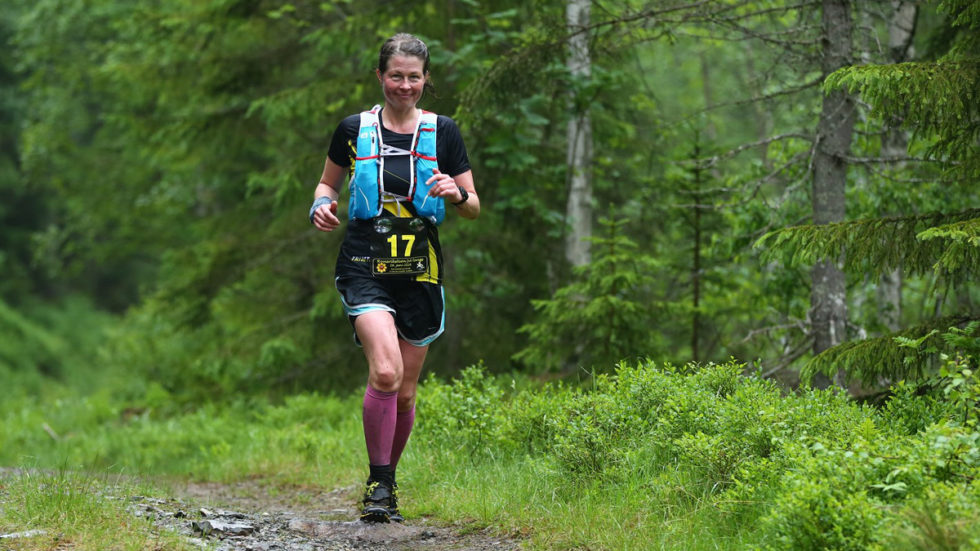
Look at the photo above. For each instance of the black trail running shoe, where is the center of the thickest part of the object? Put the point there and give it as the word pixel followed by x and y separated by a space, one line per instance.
pixel 378 499
pixel 393 513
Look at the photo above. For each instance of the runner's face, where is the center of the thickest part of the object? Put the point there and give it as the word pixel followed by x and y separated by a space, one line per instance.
pixel 403 81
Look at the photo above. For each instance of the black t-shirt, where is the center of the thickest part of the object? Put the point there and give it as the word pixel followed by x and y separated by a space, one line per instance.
pixel 450 151
pixel 356 251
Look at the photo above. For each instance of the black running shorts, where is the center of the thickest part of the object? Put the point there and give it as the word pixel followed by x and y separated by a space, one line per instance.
pixel 418 307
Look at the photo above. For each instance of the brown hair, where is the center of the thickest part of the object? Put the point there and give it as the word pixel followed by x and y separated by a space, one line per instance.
pixel 403 44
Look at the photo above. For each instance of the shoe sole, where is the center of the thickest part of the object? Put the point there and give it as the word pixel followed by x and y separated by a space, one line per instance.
pixel 375 515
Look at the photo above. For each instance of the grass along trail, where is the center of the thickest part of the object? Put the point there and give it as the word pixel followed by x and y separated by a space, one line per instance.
pixel 73 511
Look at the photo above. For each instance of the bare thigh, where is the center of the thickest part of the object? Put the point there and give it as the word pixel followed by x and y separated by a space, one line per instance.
pixel 379 339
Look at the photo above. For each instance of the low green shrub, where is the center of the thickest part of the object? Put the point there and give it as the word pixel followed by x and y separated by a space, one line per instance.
pixel 853 497
pixel 805 470
pixel 815 516
pixel 533 417
pixel 659 449
pixel 911 408
pixel 944 517
pixel 589 438
pixel 463 415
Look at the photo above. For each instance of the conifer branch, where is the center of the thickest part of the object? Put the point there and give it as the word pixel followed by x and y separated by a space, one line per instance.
pixel 881 360
pixel 796 324
pixel 789 90
pixel 937 101
pixel 946 243
pixel 787 359
pixel 884 160
pixel 708 162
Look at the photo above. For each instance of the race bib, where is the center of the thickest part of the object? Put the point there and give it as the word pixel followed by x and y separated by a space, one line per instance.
pixel 399 247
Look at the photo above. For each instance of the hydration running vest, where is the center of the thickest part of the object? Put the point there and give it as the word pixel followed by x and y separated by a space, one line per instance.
pixel 367 193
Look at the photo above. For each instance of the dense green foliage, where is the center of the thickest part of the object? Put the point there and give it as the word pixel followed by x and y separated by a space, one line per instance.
pixel 607 309
pixel 807 471
pixel 166 308
pixel 675 457
pixel 165 159
pixel 165 156
pixel 936 100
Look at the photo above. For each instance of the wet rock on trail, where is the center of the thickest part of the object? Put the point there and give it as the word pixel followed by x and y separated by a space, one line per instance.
pixel 296 521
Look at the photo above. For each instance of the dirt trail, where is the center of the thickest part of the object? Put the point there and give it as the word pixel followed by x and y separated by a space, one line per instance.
pixel 246 516
pixel 250 516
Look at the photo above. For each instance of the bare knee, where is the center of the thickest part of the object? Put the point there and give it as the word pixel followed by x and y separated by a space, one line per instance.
pixel 385 377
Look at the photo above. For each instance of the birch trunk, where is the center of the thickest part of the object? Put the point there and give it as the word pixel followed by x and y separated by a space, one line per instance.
pixel 578 210
pixel 894 143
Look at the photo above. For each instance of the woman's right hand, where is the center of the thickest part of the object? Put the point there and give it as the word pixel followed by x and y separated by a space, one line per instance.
pixel 325 217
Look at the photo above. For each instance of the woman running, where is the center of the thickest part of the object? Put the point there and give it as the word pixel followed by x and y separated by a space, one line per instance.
pixel 405 165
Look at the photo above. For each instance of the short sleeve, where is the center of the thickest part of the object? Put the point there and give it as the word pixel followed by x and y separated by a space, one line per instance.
pixel 343 145
pixel 450 148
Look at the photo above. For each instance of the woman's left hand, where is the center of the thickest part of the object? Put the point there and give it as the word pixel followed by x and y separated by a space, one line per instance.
pixel 443 185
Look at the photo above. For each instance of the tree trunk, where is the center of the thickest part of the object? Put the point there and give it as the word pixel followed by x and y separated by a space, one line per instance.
pixel 450 28
pixel 696 268
pixel 901 29
pixel 894 143
pixel 578 211
pixel 828 306
pixel 710 132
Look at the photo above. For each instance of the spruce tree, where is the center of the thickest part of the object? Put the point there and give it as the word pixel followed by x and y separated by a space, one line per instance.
pixel 936 100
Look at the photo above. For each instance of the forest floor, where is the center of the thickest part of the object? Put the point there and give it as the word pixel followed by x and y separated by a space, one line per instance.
pixel 296 518
pixel 257 516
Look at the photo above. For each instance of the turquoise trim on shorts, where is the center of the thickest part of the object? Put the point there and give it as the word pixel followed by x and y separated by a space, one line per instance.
pixel 365 308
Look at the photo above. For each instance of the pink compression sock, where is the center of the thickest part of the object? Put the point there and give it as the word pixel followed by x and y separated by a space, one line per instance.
pixel 403 428
pixel 380 412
